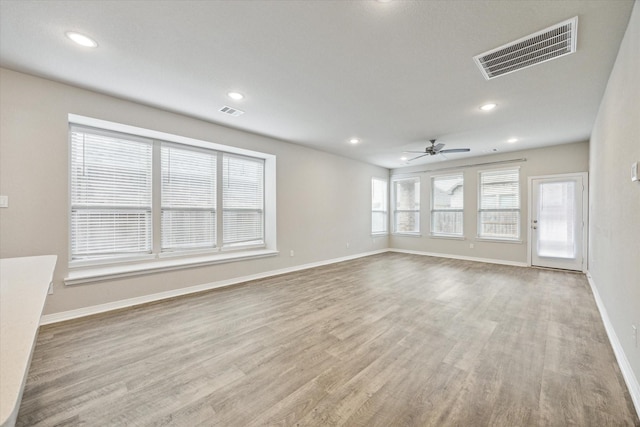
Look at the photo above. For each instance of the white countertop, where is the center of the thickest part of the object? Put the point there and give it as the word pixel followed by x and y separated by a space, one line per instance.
pixel 24 283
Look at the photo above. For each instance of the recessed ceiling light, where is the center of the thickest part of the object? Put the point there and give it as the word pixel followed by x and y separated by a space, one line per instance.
pixel 384 1
pixel 404 158
pixel 354 140
pixel 235 95
pixel 512 140
pixel 81 39
pixel 488 107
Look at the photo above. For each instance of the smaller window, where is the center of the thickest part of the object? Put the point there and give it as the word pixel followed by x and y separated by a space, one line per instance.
pixel 242 201
pixel 447 205
pixel 378 206
pixel 188 194
pixel 499 204
pixel 406 205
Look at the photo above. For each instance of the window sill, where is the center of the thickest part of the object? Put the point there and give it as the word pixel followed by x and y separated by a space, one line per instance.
pixel 407 234
pixel 379 234
pixel 496 240
pixel 448 237
pixel 97 274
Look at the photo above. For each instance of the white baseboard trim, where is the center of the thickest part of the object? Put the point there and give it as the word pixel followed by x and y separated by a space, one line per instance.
pixel 627 373
pixel 461 257
pixel 48 319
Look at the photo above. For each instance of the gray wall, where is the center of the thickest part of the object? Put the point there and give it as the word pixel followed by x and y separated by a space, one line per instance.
pixel 323 200
pixel 566 158
pixel 614 242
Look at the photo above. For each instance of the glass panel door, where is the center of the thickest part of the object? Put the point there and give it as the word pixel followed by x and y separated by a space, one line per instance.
pixel 557 223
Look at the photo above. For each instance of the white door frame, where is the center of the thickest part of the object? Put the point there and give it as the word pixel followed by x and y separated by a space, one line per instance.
pixel 585 213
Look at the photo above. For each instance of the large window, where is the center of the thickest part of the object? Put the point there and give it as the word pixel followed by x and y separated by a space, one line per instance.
pixel 379 219
pixel 447 205
pixel 499 204
pixel 406 205
pixel 133 197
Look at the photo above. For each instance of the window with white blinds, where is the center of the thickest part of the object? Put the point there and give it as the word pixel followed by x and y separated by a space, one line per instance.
pixel 406 205
pixel 135 197
pixel 447 205
pixel 188 198
pixel 499 204
pixel 111 190
pixel 378 206
pixel 242 200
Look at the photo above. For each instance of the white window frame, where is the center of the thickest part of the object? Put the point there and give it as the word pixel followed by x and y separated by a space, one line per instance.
pixel 384 211
pixel 432 209
pixel 516 239
pixel 394 210
pixel 82 271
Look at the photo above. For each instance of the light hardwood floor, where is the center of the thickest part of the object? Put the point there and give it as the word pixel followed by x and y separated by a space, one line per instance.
pixel 386 340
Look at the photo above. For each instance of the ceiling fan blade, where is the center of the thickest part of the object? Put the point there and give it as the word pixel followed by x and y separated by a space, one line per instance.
pixel 438 146
pixel 419 152
pixel 425 154
pixel 455 150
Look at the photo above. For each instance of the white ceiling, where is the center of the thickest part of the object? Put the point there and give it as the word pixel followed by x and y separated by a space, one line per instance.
pixel 318 73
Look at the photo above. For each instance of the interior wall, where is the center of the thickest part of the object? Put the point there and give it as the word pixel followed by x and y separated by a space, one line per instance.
pixel 559 159
pixel 614 246
pixel 321 198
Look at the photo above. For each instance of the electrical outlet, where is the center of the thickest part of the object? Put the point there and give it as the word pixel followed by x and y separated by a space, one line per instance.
pixel 4 201
pixel 291 253
pixel 471 246
pixel 347 245
pixel 635 335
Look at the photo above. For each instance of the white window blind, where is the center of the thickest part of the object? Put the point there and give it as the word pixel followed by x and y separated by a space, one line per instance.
pixel 188 197
pixel 406 205
pixel 110 194
pixel 499 213
pixel 447 205
pixel 242 200
pixel 378 206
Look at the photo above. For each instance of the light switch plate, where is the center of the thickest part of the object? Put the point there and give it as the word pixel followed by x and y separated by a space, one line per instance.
pixel 634 171
pixel 4 201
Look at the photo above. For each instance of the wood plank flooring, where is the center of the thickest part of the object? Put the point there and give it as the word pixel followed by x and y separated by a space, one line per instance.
pixel 386 340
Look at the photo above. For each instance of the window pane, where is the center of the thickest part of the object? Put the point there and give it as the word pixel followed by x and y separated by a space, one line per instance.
pixel 378 195
pixel 184 229
pixel 99 233
pixel 407 194
pixel 188 218
pixel 500 224
pixel 500 190
pixel 243 226
pixel 407 222
pixel 243 200
pixel 188 178
pixel 110 194
pixel 378 222
pixel 446 222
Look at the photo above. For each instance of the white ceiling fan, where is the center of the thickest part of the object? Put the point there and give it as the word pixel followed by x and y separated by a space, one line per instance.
pixel 434 149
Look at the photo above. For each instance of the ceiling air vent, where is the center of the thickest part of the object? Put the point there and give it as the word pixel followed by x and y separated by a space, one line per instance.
pixel 545 45
pixel 231 111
